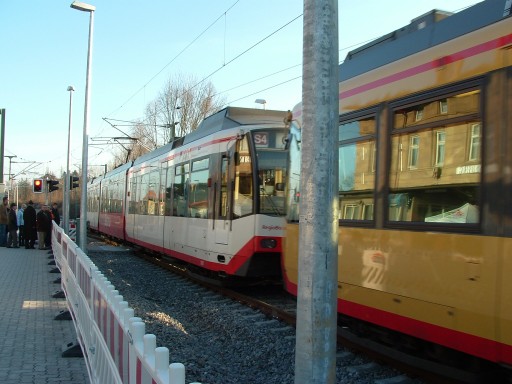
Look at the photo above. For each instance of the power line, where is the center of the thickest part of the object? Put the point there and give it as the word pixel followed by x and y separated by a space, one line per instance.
pixel 175 57
pixel 238 56
pixel 266 89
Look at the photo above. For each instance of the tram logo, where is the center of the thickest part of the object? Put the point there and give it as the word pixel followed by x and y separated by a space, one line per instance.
pixel 272 227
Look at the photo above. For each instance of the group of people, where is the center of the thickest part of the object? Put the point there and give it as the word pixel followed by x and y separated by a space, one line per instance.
pixel 23 226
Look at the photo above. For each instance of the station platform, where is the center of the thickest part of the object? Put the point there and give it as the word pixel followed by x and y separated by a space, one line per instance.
pixel 31 340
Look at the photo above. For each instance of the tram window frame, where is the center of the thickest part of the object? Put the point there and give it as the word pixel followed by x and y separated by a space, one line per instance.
pixel 169 185
pixel 181 174
pixel 369 195
pixel 199 168
pixel 446 120
pixel 161 190
pixel 133 185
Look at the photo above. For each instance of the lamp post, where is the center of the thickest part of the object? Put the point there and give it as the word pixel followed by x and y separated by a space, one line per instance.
pixel 83 199
pixel 65 208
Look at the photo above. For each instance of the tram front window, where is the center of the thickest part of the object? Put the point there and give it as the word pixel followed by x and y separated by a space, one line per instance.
pixel 271 174
pixel 272 162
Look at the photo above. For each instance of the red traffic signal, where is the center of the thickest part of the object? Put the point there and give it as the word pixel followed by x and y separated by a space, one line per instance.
pixel 37 185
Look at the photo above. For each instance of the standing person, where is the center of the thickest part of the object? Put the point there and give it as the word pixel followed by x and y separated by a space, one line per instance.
pixel 48 236
pixel 12 226
pixel 29 218
pixel 55 213
pixel 43 223
pixel 21 225
pixel 4 220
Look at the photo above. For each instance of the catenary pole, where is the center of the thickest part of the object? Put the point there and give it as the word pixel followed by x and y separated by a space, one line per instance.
pixel 315 353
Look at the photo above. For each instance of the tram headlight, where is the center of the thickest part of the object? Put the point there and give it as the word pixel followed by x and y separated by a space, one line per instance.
pixel 268 243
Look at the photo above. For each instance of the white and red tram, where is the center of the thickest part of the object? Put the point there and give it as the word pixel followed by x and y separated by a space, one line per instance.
pixel 214 198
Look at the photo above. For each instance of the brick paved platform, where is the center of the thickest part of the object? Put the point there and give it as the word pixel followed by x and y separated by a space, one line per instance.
pixel 31 341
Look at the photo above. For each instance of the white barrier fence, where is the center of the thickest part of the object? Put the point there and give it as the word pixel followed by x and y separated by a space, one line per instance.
pixel 113 341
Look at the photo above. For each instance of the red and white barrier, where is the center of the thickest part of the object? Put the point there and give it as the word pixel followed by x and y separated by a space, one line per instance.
pixel 115 346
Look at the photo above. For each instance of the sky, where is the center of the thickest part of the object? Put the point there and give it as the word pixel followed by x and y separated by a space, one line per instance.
pixel 247 49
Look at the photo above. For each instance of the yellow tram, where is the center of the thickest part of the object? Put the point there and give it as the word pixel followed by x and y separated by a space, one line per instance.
pixel 425 183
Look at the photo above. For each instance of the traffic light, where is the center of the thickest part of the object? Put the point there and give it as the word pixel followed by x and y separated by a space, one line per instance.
pixel 37 185
pixel 52 185
pixel 73 182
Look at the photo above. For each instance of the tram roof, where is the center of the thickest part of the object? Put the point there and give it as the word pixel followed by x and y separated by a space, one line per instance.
pixel 232 117
pixel 229 117
pixel 428 30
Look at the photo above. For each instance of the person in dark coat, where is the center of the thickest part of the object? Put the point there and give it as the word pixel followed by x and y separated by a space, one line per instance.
pixel 48 236
pixel 29 217
pixel 21 225
pixel 4 220
pixel 43 225
pixel 12 227
pixel 56 214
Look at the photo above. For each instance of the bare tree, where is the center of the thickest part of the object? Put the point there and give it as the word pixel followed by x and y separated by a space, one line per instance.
pixel 178 109
pixel 181 105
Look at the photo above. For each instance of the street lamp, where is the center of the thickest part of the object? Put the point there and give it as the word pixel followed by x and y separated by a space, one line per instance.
pixel 65 208
pixel 83 199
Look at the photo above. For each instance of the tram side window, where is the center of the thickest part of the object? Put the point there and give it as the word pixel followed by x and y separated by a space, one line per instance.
pixel 356 170
pixel 132 207
pixel 151 198
pixel 223 194
pixel 104 199
pixel 161 191
pixel 243 193
pixel 168 190
pixel 180 190
pixel 119 194
pixel 443 186
pixel 198 189
pixel 143 188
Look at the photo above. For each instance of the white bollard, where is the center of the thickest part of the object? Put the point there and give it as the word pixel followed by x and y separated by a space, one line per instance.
pixel 176 373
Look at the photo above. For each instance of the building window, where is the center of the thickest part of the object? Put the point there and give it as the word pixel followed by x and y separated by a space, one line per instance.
pixel 419 114
pixel 474 145
pixel 351 212
pixel 414 151
pixel 443 107
pixel 440 146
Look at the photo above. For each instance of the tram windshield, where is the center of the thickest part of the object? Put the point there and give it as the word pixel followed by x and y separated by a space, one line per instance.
pixel 272 162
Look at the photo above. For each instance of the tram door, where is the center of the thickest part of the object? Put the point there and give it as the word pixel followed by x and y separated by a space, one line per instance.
pixel 222 222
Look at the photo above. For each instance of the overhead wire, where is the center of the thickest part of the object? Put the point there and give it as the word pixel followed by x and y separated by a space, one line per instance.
pixel 240 55
pixel 175 57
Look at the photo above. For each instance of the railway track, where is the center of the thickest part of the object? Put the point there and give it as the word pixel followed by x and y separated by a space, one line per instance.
pixel 359 356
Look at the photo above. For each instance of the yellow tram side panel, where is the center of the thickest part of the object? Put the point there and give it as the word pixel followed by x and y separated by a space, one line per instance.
pixel 430 68
pixel 447 280
pixel 505 296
